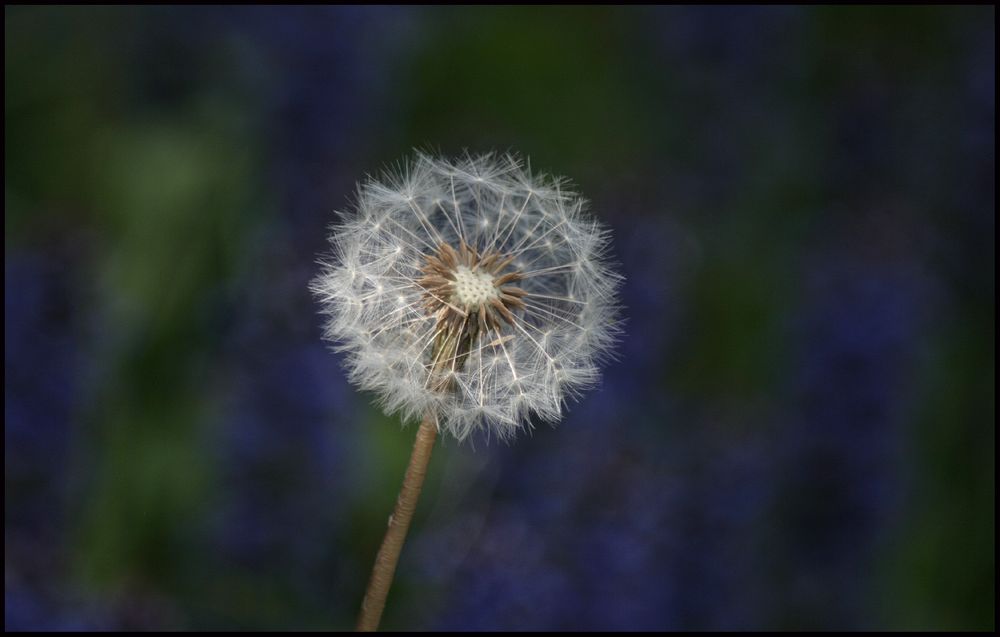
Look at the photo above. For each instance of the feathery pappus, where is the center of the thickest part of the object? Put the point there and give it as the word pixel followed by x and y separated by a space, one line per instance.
pixel 472 290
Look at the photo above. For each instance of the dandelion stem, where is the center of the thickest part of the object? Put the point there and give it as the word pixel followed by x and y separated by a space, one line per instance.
pixel 399 523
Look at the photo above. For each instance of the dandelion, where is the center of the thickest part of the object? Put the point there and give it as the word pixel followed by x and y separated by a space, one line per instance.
pixel 472 294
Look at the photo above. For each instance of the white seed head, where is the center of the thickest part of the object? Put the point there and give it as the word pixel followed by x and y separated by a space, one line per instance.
pixel 472 290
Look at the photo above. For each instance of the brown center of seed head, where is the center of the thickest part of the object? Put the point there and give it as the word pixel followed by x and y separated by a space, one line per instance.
pixel 469 294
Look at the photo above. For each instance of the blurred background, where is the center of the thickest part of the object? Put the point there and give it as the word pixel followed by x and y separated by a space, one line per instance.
pixel 799 431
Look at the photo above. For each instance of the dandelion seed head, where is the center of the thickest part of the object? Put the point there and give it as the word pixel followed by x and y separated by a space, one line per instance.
pixel 471 289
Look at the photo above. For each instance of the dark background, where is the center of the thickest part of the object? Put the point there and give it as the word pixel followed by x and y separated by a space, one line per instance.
pixel 799 431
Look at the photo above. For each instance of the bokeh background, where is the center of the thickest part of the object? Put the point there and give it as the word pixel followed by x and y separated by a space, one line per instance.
pixel 799 430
